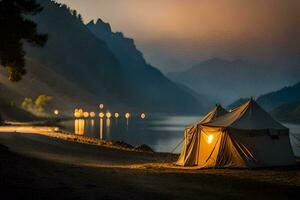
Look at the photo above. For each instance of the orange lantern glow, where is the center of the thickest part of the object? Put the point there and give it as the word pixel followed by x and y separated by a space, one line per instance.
pixel 108 115
pixel 56 112
pixel 86 114
pixel 127 115
pixel 101 115
pixel 210 139
pixel 92 114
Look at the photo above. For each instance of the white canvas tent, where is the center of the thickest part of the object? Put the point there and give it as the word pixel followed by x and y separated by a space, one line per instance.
pixel 246 137
pixel 191 134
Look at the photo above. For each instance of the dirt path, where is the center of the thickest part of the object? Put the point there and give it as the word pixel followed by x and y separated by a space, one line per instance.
pixel 61 149
pixel 31 178
pixel 47 166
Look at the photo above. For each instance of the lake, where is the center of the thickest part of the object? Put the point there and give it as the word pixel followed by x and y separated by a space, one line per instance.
pixel 162 133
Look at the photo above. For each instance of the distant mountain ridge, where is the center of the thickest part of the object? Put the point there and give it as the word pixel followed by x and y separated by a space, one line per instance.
pixel 137 70
pixel 224 81
pixel 283 104
pixel 288 112
pixel 237 103
pixel 122 47
pixel 92 71
pixel 73 51
pixel 283 96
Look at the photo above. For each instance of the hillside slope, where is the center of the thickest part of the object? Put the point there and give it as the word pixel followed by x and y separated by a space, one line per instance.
pixel 237 103
pixel 137 70
pixel 73 52
pixel 39 80
pixel 289 112
pixel 122 47
pixel 225 81
pixel 283 96
pixel 78 68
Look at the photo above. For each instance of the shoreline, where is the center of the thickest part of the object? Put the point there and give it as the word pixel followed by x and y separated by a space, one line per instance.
pixel 25 176
pixel 56 132
pixel 46 167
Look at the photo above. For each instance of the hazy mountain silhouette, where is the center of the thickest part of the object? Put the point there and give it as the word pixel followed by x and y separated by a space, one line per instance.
pixel 283 104
pixel 139 73
pixel 285 95
pixel 225 81
pixel 288 112
pixel 237 103
pixel 122 47
pixel 73 51
pixel 91 71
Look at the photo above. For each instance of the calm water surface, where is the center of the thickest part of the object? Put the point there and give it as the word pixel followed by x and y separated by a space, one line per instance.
pixel 162 133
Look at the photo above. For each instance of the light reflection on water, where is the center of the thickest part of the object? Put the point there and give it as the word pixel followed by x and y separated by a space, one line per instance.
pixel 162 133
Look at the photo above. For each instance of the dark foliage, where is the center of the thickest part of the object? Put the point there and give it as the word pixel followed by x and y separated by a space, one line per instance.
pixel 15 29
pixel 73 12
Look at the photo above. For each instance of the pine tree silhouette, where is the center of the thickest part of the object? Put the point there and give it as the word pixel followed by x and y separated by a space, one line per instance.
pixel 15 29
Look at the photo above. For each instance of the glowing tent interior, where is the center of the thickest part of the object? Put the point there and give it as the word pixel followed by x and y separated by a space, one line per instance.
pixel 246 137
pixel 186 157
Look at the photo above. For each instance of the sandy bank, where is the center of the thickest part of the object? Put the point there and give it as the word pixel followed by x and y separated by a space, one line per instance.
pixel 47 144
pixel 55 132
pixel 43 177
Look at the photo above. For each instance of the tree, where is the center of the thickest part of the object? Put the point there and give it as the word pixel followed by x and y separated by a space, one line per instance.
pixel 80 17
pixel 15 29
pixel 74 13
pixel 27 103
pixel 42 100
pixel 38 105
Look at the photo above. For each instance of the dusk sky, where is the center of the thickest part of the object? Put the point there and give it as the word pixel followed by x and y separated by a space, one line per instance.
pixel 174 34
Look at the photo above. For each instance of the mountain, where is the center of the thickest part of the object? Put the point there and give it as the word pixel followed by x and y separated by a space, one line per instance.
pixel 283 104
pixel 285 95
pixel 10 112
pixel 225 81
pixel 289 112
pixel 74 53
pixel 40 80
pixel 79 69
pixel 137 70
pixel 122 47
pixel 237 103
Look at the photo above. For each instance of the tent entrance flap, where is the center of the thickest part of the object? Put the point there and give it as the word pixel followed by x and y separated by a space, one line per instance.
pixel 190 149
pixel 192 135
pixel 209 148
